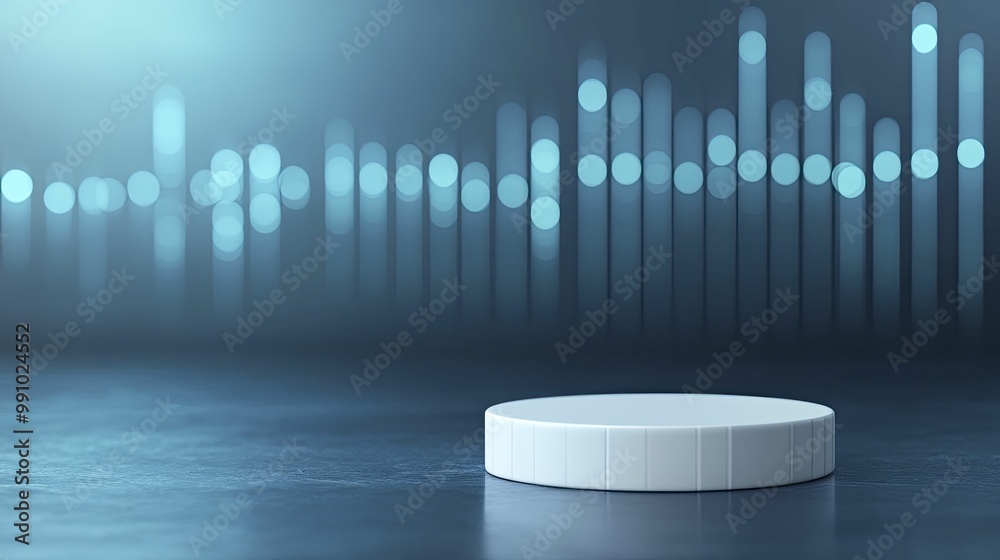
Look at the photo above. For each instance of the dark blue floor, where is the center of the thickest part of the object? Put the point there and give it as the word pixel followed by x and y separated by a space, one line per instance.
pixel 307 469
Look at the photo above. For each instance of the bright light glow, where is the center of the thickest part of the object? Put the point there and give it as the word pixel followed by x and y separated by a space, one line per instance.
pixel 593 95
pixel 59 198
pixel 16 186
pixel 143 189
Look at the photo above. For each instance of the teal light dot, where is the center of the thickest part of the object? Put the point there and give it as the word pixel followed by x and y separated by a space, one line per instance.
pixel 626 169
pixel 850 181
pixel 971 153
pixel 545 213
pixel 409 182
pixel 887 166
pixel 721 150
pixel 443 170
pixel 785 169
pixel 657 169
pixel 816 169
pixel 373 179
pixel 265 213
pixel 59 198
pixel 592 170
pixel 545 155
pixel 593 95
pixel 688 177
pixel 924 164
pixel 924 38
pixel 752 166
pixel 143 189
pixel 512 191
pixel 16 186
pixel 753 47
pixel 475 195
pixel 339 176
pixel 818 94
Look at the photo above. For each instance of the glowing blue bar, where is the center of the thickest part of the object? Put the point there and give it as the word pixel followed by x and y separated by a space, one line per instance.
pixel 592 172
pixel 227 174
pixel 476 304
pixel 409 182
pixel 227 259
pixel 924 164
pixel 971 159
pixel 16 187
pixel 752 165
pixel 169 136
pixel 545 214
pixel 850 180
pixel 93 236
pixel 689 226
pixel 339 177
pixel 720 230
pixel 783 234
pixel 657 201
pixel 886 232
pixel 817 198
pixel 626 249
pixel 373 180
pixel 511 224
pixel 265 166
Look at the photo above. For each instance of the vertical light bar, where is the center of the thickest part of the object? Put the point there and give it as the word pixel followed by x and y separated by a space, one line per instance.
pixel 169 242
pixel 265 245
pixel 783 237
pixel 442 175
pixel 339 180
pixel 93 236
pixel 265 166
pixel 476 304
pixel 720 230
pixel 227 259
pixel 592 172
pixel 850 181
pixel 689 226
pixel 143 189
pixel 886 201
pixel 169 137
pixel 924 163
pixel 511 223
pixel 16 187
pixel 657 202
pixel 409 180
pixel 971 159
pixel 373 250
pixel 626 213
pixel 544 214
pixel 817 196
pixel 227 175
pixel 59 199
pixel 752 164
